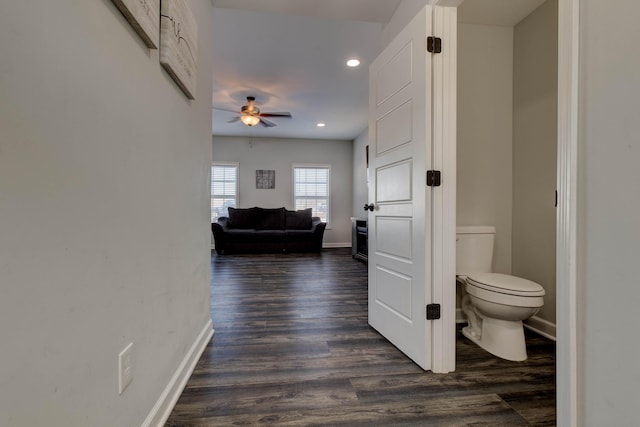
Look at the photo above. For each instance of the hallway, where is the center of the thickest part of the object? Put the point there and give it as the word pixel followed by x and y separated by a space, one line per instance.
pixel 292 347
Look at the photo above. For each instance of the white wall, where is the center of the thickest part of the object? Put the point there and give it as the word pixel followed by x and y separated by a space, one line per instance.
pixel 280 154
pixel 609 202
pixel 104 169
pixel 360 184
pixel 404 13
pixel 484 151
pixel 534 151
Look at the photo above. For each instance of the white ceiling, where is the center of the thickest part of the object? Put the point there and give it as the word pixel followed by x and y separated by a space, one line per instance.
pixel 350 10
pixel 291 54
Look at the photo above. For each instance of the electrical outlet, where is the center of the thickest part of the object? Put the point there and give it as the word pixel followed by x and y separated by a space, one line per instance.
pixel 125 367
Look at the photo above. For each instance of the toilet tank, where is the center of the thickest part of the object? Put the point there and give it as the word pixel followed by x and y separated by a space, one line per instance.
pixel 474 249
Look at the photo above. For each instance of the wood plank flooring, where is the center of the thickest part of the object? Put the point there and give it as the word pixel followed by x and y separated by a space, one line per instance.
pixel 292 347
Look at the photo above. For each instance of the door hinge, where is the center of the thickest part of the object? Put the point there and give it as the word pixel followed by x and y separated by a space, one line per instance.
pixel 433 311
pixel 434 44
pixel 433 178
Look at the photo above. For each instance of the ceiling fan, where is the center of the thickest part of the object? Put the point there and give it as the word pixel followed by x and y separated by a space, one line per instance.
pixel 250 115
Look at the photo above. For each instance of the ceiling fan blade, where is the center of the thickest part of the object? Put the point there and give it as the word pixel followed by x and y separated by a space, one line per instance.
pixel 235 119
pixel 266 123
pixel 282 114
pixel 225 109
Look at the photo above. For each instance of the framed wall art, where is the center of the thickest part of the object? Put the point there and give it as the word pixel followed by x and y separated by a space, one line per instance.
pixel 144 17
pixel 179 44
pixel 265 179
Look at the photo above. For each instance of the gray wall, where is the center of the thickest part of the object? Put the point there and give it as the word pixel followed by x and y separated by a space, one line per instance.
pixel 608 230
pixel 104 168
pixel 360 184
pixel 485 109
pixel 506 160
pixel 609 202
pixel 534 151
pixel 280 154
pixel 484 151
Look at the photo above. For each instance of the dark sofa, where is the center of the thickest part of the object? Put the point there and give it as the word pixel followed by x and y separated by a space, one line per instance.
pixel 268 230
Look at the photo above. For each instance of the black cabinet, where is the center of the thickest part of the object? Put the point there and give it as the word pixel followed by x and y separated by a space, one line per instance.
pixel 359 242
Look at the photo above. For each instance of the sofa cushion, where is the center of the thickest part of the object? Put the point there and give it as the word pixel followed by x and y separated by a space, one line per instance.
pixel 267 235
pixel 299 235
pixel 241 234
pixel 242 218
pixel 252 235
pixel 298 220
pixel 270 219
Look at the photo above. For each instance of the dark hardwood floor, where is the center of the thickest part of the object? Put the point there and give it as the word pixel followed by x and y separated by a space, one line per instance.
pixel 292 347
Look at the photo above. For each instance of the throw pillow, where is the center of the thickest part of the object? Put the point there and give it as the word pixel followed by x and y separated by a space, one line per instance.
pixel 242 218
pixel 270 219
pixel 298 220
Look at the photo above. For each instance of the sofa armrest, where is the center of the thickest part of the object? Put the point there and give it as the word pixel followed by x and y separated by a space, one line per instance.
pixel 219 228
pixel 317 226
pixel 223 223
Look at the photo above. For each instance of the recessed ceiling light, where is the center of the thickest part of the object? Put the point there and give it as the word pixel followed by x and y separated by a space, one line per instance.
pixel 320 125
pixel 353 62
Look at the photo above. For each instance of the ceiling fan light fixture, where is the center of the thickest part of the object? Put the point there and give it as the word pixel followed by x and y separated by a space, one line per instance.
pixel 250 120
pixel 250 115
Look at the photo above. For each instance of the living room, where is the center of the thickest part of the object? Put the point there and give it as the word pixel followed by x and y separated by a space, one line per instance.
pixel 304 73
pixel 280 155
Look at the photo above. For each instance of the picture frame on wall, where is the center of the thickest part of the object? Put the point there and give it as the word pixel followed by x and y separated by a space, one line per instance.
pixel 179 44
pixel 144 17
pixel 265 179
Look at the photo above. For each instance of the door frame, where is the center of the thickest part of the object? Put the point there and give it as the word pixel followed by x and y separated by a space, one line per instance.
pixel 443 232
pixel 567 310
pixel 566 221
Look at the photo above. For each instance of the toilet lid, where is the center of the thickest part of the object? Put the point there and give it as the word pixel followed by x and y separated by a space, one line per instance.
pixel 505 284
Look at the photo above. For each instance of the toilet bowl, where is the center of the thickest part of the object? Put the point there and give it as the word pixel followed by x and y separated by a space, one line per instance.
pixel 495 304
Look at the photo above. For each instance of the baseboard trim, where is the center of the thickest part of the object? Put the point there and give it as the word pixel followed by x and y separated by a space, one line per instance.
pixel 336 245
pixel 324 245
pixel 535 324
pixel 542 327
pixel 167 400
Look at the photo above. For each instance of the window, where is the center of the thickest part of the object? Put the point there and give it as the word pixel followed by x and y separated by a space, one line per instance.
pixel 224 189
pixel 311 189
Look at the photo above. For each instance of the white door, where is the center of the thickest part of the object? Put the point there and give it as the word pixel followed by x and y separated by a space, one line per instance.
pixel 404 120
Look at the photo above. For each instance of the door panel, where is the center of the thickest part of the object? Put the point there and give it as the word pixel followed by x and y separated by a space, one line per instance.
pixel 394 238
pixel 394 182
pixel 394 129
pixel 394 292
pixel 412 128
pixel 394 74
pixel 399 227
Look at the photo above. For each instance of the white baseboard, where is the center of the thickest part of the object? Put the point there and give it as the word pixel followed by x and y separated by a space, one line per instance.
pixel 167 400
pixel 336 245
pixel 535 324
pixel 542 327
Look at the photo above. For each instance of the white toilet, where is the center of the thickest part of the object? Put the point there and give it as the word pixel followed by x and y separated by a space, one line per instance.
pixel 495 304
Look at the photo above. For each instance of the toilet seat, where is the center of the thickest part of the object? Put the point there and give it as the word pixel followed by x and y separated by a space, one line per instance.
pixel 505 284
